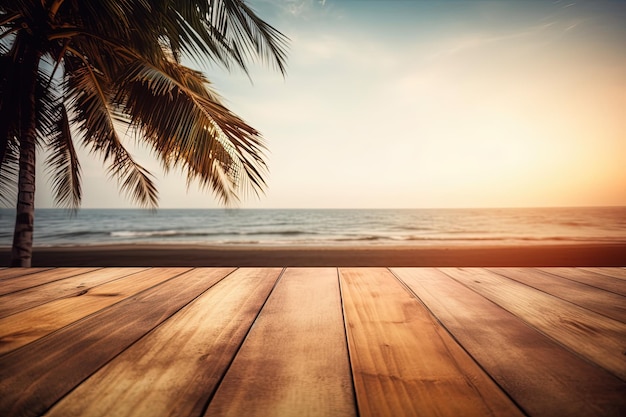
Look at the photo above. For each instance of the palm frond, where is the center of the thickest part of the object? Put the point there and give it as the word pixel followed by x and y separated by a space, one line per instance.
pixel 63 163
pixel 53 130
pixel 250 34
pixel 119 61
pixel 49 93
pixel 227 31
pixel 187 126
pixel 134 180
pixel 8 175
pixel 90 99
pixel 9 97
pixel 101 17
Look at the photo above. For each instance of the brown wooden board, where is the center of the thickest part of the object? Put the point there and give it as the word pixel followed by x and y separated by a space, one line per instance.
pixel 18 283
pixel 596 337
pixel 543 377
pixel 404 362
pixel 607 303
pixel 174 370
pixel 594 279
pixel 294 362
pixel 29 325
pixel 36 376
pixel 611 272
pixel 8 273
pixel 63 288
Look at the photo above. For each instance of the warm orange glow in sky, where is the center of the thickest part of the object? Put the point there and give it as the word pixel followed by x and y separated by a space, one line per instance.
pixel 429 104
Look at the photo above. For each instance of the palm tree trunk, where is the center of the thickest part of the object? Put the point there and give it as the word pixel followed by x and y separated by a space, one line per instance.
pixel 22 251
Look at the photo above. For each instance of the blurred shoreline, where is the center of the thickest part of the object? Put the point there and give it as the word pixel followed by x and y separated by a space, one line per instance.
pixel 311 256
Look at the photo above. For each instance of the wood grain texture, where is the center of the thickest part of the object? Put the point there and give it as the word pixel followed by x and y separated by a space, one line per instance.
pixel 404 363
pixel 63 288
pixel 611 272
pixel 595 337
pixel 36 376
pixel 294 362
pixel 177 341
pixel 8 273
pixel 174 370
pixel 543 377
pixel 607 303
pixel 608 283
pixel 38 277
pixel 27 326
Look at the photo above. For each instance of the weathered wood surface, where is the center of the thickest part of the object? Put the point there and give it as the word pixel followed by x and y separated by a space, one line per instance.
pixel 75 284
pixel 12 282
pixel 7 273
pixel 404 362
pixel 36 376
pixel 29 325
pixel 583 295
pixel 594 279
pixel 598 338
pixel 611 272
pixel 176 368
pixel 294 362
pixel 312 341
pixel 543 377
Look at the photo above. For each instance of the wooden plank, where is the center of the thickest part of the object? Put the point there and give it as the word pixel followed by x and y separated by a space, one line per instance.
pixel 21 282
pixel 8 273
pixel 607 303
pixel 27 326
pixel 594 336
pixel 594 279
pixel 35 377
pixel 63 288
pixel 294 362
pixel 176 368
pixel 611 272
pixel 543 377
pixel 404 363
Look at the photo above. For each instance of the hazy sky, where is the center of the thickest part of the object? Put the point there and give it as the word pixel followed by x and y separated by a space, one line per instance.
pixel 426 104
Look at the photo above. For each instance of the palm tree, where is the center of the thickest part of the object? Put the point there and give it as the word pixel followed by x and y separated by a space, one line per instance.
pixel 78 71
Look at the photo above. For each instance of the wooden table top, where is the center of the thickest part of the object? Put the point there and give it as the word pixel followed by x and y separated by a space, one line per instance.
pixel 313 342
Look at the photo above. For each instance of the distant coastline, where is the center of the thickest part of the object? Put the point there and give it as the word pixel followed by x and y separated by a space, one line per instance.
pixel 329 227
pixel 592 236
pixel 262 256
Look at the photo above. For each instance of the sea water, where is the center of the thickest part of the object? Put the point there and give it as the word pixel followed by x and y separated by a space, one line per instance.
pixel 58 227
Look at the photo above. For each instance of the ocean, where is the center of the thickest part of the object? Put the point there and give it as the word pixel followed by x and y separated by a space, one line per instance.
pixel 285 227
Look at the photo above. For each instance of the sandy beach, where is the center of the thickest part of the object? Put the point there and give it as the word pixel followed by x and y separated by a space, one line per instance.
pixel 197 255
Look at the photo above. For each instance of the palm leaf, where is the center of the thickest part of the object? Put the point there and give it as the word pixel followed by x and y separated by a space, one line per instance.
pixel 187 126
pixel 248 33
pixel 49 96
pixel 226 31
pixel 9 96
pixel 114 72
pixel 90 100
pixel 63 163
pixel 9 174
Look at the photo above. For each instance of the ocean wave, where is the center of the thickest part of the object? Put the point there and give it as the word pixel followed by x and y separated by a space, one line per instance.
pixel 328 227
pixel 154 233
pixel 279 233
pixel 360 238
pixel 75 234
pixel 184 233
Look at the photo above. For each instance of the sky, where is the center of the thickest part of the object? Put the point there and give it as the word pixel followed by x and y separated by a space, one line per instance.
pixel 424 104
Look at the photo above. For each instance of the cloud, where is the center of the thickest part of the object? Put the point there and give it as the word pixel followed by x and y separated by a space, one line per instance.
pixel 542 32
pixel 297 8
